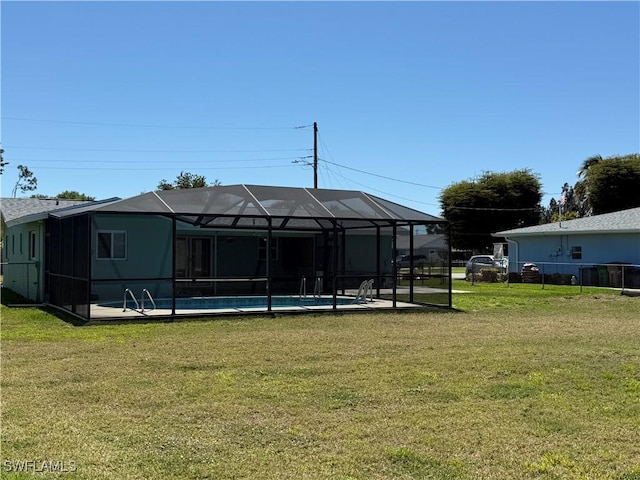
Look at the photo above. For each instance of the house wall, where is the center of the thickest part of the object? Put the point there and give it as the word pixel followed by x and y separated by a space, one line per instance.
pixel 234 254
pixel 149 255
pixel 23 271
pixel 555 251
pixel 360 254
pixel 291 254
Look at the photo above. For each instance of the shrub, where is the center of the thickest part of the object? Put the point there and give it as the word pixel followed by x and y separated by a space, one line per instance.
pixel 557 278
pixel 489 274
pixel 515 277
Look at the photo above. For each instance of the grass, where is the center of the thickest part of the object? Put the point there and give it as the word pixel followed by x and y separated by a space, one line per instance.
pixel 523 383
pixel 491 296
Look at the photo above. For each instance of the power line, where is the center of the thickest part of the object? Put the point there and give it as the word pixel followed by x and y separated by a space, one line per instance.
pixel 339 175
pixel 417 184
pixel 382 176
pixel 453 207
pixel 324 147
pixel 149 169
pixel 156 151
pixel 108 124
pixel 375 174
pixel 387 193
pixel 83 161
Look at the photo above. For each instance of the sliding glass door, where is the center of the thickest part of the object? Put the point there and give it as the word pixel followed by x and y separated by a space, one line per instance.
pixel 193 257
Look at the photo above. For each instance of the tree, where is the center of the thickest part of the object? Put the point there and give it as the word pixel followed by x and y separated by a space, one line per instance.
pixel 26 181
pixel 186 180
pixel 74 195
pixel 567 207
pixel 587 164
pixel 604 185
pixel 584 206
pixel 613 184
pixel 488 204
pixel 66 195
pixel 2 162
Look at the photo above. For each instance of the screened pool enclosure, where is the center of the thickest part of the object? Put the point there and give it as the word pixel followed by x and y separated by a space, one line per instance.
pixel 243 248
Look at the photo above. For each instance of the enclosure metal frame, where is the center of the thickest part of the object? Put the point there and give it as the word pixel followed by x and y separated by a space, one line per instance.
pixel 336 226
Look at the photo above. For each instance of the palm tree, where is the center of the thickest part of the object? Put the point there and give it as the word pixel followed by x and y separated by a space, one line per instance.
pixel 581 189
pixel 583 173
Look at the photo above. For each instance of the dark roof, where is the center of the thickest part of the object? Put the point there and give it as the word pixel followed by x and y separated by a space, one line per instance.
pixel 624 221
pixel 421 242
pixel 255 205
pixel 15 208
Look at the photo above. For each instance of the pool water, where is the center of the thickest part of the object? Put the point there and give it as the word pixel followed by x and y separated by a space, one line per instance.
pixel 213 303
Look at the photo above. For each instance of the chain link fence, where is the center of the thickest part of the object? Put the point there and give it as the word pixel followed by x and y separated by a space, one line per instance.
pixel 622 276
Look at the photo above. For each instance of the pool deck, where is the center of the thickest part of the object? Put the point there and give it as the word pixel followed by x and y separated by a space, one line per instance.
pixel 114 313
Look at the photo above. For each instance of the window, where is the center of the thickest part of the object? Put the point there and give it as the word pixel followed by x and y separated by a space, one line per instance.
pixel 262 249
pixel 112 245
pixel 20 244
pixel 576 253
pixel 32 245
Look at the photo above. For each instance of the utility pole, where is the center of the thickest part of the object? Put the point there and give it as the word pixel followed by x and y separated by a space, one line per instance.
pixel 315 154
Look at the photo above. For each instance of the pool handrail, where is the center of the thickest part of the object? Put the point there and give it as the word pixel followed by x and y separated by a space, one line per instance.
pixel 361 296
pixel 316 288
pixel 365 289
pixel 144 290
pixel 124 303
pixel 369 290
pixel 303 287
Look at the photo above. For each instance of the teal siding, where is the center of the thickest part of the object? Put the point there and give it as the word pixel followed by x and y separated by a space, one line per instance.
pixel 360 254
pixel 149 254
pixel 149 247
pixel 23 273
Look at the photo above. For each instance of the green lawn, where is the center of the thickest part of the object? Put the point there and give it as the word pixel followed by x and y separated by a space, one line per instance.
pixel 522 383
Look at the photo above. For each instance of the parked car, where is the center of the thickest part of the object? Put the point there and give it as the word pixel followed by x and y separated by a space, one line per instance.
pixel 478 262
pixel 404 261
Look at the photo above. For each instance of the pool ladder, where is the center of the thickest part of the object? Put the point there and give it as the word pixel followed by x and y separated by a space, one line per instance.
pixel 303 287
pixel 138 305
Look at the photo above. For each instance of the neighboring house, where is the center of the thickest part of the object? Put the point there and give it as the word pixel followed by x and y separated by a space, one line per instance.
pixel 23 241
pixel 215 241
pixel 576 246
pixel 435 247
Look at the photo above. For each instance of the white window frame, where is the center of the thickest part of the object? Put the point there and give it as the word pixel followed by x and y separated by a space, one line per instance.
pixel 576 252
pixel 111 256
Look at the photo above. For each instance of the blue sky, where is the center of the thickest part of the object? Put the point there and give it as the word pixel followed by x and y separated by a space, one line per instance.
pixel 108 98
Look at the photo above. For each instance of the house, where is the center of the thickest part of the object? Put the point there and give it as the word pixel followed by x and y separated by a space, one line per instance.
pixel 581 247
pixel 207 243
pixel 433 245
pixel 23 236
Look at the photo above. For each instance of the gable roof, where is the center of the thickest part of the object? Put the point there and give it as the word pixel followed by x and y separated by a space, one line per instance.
pixel 437 241
pixel 623 221
pixel 21 210
pixel 14 208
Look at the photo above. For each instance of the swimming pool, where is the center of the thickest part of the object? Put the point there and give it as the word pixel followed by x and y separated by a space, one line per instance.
pixel 223 303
